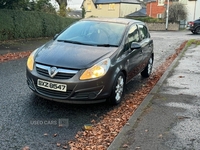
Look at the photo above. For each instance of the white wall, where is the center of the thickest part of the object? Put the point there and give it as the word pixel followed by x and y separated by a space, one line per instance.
pixel 197 10
pixel 126 9
pixel 193 13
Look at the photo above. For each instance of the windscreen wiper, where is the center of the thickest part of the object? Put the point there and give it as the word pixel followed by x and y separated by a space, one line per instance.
pixel 73 42
pixel 107 45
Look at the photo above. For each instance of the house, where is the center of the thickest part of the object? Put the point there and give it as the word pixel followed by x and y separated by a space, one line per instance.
pixel 110 8
pixel 139 13
pixel 157 8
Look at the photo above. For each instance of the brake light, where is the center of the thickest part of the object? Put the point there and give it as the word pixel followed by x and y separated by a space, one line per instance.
pixel 191 23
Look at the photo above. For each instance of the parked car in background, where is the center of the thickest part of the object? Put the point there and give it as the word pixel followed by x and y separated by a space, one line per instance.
pixel 194 26
pixel 91 61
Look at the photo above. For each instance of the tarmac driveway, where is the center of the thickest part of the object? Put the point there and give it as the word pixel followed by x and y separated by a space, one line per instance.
pixel 27 120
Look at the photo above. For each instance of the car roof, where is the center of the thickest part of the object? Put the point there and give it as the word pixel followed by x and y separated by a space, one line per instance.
pixel 113 20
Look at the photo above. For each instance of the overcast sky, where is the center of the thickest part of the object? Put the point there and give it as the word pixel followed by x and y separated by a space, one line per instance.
pixel 73 4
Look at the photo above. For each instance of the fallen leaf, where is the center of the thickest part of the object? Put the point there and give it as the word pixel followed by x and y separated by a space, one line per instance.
pixel 125 146
pixel 64 147
pixel 26 148
pixel 87 127
pixel 45 134
pixel 60 125
pixel 160 136
pixel 181 76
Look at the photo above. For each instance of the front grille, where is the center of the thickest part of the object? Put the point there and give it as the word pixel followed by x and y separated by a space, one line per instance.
pixel 52 93
pixel 61 73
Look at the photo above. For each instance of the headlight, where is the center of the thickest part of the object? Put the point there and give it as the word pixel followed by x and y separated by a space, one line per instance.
pixel 97 70
pixel 30 61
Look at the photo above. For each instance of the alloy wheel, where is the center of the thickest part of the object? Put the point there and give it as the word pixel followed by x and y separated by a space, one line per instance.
pixel 150 65
pixel 119 88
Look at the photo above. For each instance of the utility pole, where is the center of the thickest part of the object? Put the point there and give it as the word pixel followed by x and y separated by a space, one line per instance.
pixel 195 10
pixel 167 14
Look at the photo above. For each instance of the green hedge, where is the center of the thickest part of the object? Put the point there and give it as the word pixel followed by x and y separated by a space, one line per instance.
pixel 147 19
pixel 15 24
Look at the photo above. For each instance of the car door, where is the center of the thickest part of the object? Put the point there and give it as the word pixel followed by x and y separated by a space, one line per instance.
pixel 146 44
pixel 133 56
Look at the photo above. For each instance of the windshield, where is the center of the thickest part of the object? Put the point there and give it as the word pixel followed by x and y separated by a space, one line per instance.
pixel 93 33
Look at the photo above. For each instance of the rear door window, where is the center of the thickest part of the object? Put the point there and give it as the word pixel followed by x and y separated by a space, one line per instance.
pixel 132 36
pixel 143 32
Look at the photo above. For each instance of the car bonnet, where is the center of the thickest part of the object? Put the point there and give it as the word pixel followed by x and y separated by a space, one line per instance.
pixel 74 56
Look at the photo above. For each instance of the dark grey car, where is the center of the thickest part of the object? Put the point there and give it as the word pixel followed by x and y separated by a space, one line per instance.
pixel 91 61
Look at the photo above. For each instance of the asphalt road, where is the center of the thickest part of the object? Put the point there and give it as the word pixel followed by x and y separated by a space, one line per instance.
pixel 27 120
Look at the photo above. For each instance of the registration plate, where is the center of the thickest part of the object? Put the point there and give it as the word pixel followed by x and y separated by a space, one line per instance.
pixel 52 85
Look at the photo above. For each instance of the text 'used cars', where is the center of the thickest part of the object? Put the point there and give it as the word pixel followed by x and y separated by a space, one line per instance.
pixel 91 61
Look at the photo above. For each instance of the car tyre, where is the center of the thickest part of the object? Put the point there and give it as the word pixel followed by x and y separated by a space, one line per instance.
pixel 148 69
pixel 197 30
pixel 117 90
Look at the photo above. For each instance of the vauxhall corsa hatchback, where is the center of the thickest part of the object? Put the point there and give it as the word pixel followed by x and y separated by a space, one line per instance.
pixel 91 61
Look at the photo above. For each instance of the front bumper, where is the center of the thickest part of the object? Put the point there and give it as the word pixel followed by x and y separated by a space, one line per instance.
pixel 80 92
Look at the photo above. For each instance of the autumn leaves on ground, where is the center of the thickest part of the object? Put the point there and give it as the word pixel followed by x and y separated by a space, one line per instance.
pixel 99 135
pixel 13 56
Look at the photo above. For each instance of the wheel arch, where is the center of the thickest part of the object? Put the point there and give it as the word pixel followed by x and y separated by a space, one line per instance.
pixel 152 55
pixel 196 29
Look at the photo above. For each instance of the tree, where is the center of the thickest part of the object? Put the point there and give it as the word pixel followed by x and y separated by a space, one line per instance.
pixel 14 4
pixel 31 5
pixel 83 12
pixel 62 7
pixel 177 12
pixel 44 6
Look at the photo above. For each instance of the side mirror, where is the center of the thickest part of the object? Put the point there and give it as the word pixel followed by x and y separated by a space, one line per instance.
pixel 135 45
pixel 55 36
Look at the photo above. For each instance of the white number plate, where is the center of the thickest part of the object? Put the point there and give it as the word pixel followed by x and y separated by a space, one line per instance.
pixel 52 85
